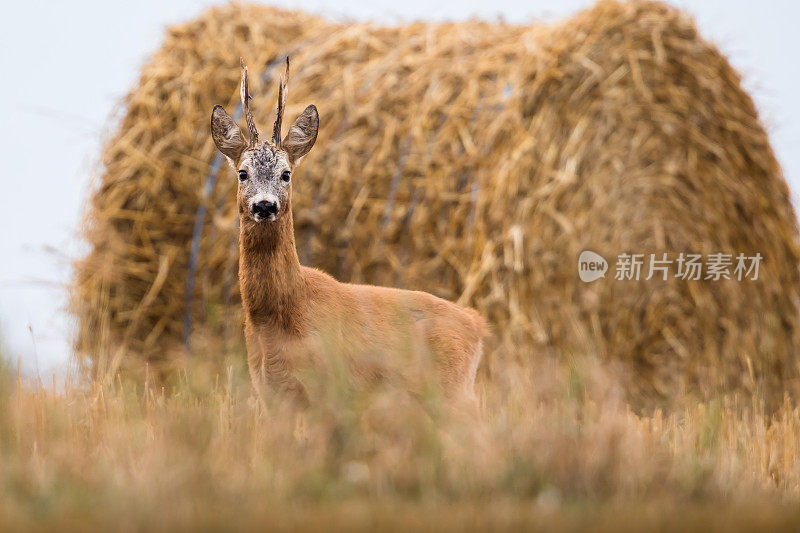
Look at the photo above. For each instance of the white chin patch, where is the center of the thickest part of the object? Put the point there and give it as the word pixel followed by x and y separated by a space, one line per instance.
pixel 259 218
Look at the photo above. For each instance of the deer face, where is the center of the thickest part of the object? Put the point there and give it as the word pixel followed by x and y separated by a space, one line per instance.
pixel 265 177
pixel 264 169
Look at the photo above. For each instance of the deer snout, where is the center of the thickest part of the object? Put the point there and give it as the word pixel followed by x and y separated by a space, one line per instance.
pixel 265 209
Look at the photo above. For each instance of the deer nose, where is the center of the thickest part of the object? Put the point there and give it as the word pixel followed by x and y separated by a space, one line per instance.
pixel 265 208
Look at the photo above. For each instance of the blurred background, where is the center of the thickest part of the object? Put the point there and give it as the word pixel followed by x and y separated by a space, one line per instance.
pixel 62 95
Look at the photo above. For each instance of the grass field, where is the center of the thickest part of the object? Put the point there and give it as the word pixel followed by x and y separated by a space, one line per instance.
pixel 557 447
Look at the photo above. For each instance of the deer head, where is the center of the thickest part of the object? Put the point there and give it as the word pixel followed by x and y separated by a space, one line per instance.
pixel 265 168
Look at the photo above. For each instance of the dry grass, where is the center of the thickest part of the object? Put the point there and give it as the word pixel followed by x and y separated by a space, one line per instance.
pixel 475 161
pixel 557 447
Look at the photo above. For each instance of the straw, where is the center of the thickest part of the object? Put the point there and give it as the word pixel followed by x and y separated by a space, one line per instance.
pixel 475 161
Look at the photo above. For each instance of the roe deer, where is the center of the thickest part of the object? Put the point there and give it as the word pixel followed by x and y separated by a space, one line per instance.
pixel 293 313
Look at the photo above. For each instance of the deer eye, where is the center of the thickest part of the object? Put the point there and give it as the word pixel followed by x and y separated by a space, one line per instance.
pixel 242 175
pixel 286 176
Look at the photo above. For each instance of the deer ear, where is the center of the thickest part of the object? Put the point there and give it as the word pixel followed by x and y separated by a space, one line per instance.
pixel 227 135
pixel 302 135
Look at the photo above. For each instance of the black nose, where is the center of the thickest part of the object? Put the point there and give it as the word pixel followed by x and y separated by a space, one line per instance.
pixel 265 208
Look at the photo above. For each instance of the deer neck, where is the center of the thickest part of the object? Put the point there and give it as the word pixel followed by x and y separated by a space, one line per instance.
pixel 270 277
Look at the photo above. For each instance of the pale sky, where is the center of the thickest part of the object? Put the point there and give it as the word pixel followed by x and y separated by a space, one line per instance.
pixel 67 65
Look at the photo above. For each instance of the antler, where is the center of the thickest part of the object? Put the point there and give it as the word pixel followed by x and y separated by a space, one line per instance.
pixel 245 92
pixel 282 93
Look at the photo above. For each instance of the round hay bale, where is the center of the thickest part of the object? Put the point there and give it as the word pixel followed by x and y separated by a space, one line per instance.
pixel 474 161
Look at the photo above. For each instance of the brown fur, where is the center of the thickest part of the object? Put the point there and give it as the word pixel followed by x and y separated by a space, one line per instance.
pixel 294 314
pixel 296 317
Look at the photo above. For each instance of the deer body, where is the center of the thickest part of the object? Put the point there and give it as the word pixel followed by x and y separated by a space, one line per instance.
pixel 296 316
